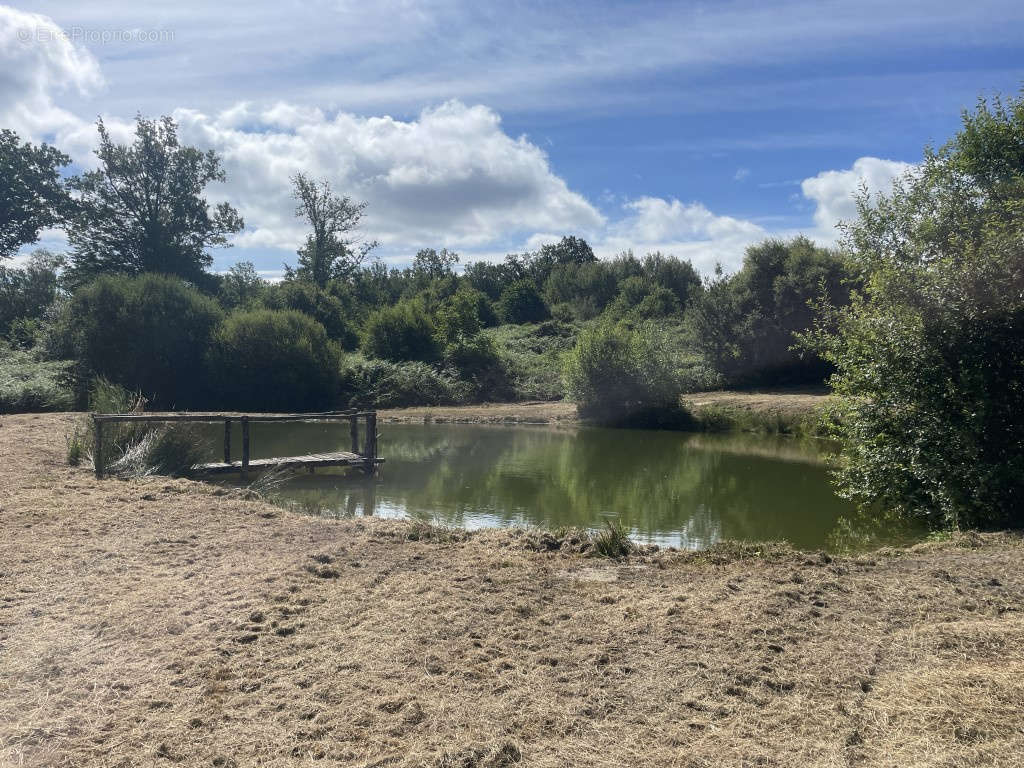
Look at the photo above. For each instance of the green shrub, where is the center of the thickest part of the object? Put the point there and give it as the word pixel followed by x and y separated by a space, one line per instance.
pixel 29 384
pixel 480 367
pixel 402 332
pixel 147 333
pixel 273 360
pixel 386 384
pixel 325 308
pixel 616 373
pixel 521 302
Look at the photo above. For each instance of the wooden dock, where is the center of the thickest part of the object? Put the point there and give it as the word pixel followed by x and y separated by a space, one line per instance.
pixel 363 454
pixel 310 461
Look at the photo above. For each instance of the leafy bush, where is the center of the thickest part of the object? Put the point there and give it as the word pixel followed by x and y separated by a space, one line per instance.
pixel 29 384
pixel 386 384
pixel 402 332
pixel 615 373
pixel 310 299
pixel 521 302
pixel 147 333
pixel 930 357
pixel 274 360
pixel 480 367
pixel 640 299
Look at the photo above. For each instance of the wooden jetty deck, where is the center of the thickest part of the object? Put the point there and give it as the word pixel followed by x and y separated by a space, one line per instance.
pixel 310 461
pixel 363 454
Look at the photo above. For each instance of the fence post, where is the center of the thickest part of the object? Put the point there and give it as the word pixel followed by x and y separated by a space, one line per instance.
pixel 227 441
pixel 371 441
pixel 353 430
pixel 245 447
pixel 97 452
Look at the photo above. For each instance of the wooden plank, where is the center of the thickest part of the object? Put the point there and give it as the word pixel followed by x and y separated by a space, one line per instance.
pixel 215 417
pixel 338 459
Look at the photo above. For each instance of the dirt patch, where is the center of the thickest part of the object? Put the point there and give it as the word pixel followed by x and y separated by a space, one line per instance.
pixel 204 629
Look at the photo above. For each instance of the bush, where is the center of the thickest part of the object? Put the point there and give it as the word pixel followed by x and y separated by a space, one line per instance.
pixel 521 302
pixel 273 360
pixel 147 333
pixel 386 384
pixel 326 309
pixel 480 367
pixel 615 373
pixel 402 332
pixel 930 358
pixel 28 384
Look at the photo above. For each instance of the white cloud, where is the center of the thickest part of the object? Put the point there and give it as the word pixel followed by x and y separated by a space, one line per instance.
pixel 833 192
pixel 452 177
pixel 36 59
pixel 689 231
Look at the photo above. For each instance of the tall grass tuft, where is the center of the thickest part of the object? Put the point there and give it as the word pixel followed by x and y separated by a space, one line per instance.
pixel 613 541
pixel 134 449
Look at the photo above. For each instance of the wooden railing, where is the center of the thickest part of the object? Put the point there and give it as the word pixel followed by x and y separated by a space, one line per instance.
pixel 367 453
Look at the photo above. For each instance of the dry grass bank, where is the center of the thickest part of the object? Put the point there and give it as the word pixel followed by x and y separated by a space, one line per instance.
pixel 560 412
pixel 159 623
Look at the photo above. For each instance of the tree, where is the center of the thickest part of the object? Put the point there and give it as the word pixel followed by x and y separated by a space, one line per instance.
pixel 26 293
pixel 929 355
pixel 330 252
pixel 241 287
pixel 744 324
pixel 432 264
pixel 32 196
pixel 521 302
pixel 143 209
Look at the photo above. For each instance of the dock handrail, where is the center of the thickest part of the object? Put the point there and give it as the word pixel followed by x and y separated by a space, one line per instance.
pixel 368 452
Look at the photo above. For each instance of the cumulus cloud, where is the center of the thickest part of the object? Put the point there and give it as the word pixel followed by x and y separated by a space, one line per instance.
pixel 687 230
pixel 833 192
pixel 37 59
pixel 452 177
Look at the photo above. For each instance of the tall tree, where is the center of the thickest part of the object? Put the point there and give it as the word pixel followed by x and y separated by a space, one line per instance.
pixel 330 251
pixel 32 196
pixel 143 209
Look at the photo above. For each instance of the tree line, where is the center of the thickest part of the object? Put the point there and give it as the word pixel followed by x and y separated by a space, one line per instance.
pixel 916 319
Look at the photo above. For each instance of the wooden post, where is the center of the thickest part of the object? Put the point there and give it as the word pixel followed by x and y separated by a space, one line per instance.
pixel 371 441
pixel 227 441
pixel 353 430
pixel 97 452
pixel 245 447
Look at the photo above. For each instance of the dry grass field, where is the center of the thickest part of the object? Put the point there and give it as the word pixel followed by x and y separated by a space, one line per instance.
pixel 164 623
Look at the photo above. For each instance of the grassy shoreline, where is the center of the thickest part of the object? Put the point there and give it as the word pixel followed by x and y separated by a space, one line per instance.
pixel 164 621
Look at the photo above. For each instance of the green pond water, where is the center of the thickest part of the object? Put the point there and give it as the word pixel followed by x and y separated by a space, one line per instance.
pixel 670 488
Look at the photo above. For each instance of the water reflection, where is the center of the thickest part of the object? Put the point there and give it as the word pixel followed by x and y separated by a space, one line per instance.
pixel 686 490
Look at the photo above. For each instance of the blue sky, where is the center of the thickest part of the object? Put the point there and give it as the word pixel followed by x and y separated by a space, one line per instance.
pixel 696 128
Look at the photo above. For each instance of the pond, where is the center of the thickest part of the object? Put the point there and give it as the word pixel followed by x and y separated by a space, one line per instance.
pixel 671 488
